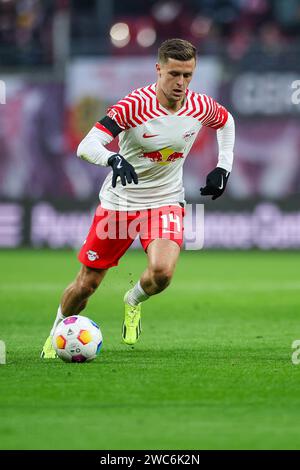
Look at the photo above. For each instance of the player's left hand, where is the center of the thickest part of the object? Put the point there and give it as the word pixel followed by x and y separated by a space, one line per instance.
pixel 216 182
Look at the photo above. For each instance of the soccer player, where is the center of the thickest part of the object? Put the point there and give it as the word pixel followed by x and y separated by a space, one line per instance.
pixel 156 125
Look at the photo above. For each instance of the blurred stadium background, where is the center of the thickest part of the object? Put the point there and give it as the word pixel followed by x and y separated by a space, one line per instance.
pixel 64 62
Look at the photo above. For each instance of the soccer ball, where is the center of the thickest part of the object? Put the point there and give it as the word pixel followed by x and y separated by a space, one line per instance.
pixel 77 339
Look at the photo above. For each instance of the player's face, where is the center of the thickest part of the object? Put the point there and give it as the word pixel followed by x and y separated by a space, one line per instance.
pixel 174 77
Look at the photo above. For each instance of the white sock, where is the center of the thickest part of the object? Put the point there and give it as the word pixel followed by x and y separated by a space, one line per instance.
pixel 58 319
pixel 136 295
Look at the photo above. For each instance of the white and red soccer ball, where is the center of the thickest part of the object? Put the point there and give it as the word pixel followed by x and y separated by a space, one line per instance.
pixel 77 339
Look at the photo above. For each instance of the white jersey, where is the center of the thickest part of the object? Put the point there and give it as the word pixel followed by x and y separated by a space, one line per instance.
pixel 156 142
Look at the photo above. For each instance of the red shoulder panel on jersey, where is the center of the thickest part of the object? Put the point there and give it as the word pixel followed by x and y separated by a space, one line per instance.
pixel 208 111
pixel 139 106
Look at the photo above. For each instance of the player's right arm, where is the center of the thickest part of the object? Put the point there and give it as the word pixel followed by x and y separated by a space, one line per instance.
pixel 92 149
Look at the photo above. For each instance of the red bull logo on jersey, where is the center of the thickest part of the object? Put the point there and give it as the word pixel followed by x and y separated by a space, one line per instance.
pixel 163 156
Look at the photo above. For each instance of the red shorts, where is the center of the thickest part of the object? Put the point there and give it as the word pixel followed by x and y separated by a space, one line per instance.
pixel 112 233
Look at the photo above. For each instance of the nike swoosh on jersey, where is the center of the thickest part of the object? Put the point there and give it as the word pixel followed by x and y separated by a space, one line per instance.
pixel 148 136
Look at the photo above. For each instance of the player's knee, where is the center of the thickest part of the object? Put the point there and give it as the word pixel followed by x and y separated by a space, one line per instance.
pixel 161 276
pixel 86 289
pixel 87 283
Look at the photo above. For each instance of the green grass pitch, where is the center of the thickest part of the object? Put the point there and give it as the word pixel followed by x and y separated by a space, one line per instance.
pixel 212 369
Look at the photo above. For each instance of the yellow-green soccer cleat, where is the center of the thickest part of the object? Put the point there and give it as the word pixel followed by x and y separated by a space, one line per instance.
pixel 48 351
pixel 132 326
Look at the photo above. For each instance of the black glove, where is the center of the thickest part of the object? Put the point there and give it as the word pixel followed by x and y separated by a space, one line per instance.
pixel 122 168
pixel 216 182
